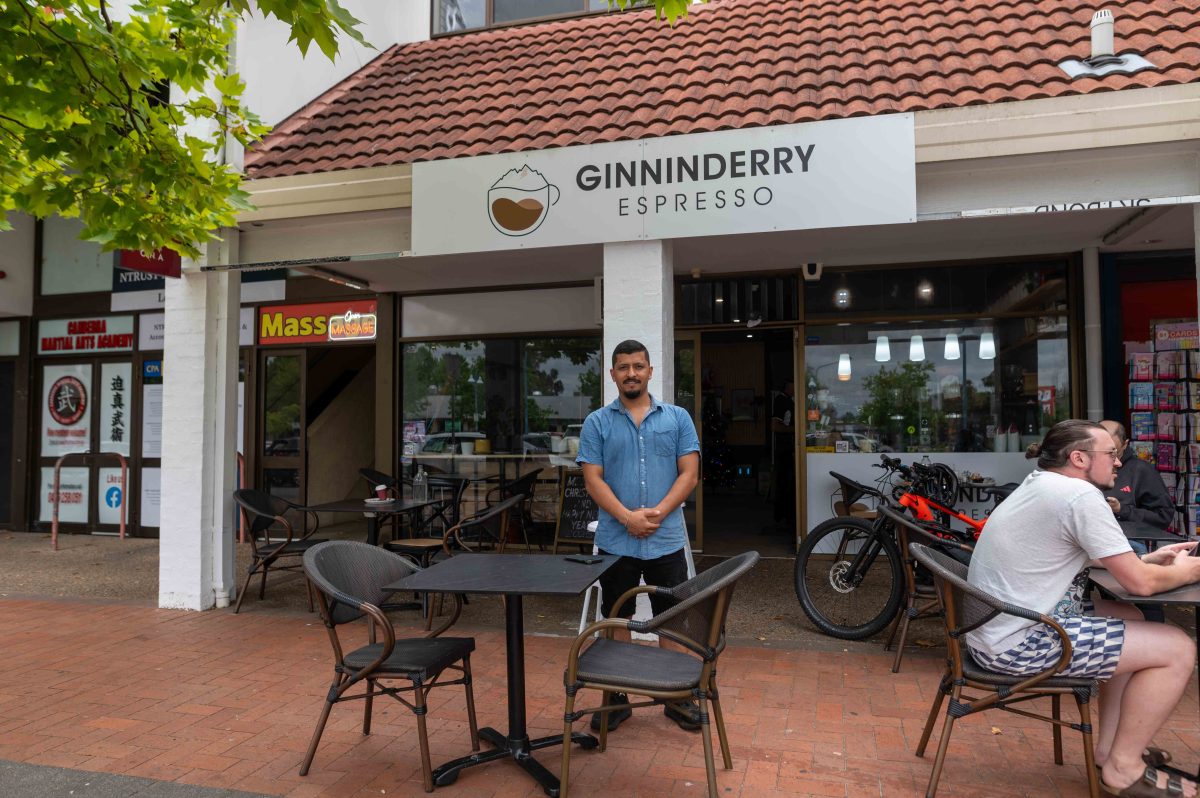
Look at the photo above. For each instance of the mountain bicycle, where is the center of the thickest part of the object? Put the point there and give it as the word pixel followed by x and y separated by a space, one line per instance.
pixel 849 574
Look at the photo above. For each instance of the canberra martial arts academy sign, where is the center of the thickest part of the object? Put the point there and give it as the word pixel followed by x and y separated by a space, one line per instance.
pixel 835 173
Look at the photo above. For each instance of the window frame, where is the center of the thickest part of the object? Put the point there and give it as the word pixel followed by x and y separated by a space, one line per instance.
pixel 490 24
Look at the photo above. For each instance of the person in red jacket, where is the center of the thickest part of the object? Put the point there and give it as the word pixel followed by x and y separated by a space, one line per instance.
pixel 1139 494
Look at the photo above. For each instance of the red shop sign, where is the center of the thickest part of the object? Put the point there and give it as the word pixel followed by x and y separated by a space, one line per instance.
pixel 317 323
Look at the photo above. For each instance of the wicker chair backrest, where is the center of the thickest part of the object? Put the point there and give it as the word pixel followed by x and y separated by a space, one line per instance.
pixel 487 527
pixel 261 509
pixel 966 606
pixel 523 486
pixel 350 573
pixel 703 604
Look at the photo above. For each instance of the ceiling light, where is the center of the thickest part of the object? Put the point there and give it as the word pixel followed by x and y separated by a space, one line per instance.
pixel 987 347
pixel 925 290
pixel 844 367
pixel 951 352
pixel 720 299
pixel 841 298
pixel 883 352
pixel 916 349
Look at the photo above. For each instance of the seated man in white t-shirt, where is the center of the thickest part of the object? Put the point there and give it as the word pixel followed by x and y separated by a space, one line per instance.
pixel 1034 552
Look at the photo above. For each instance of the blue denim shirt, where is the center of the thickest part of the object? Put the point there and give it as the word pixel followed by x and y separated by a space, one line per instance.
pixel 640 466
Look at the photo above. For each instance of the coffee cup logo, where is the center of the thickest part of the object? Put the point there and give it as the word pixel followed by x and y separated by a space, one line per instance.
pixel 519 201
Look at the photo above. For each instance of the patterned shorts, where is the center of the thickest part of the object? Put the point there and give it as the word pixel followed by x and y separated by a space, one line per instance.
pixel 1096 643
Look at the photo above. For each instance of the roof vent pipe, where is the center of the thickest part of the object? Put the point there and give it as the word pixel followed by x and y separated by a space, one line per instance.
pixel 1102 36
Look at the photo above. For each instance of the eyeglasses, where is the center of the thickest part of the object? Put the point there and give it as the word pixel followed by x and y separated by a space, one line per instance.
pixel 1112 453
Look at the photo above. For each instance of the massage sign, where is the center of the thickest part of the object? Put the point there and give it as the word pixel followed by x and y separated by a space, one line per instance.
pixel 325 322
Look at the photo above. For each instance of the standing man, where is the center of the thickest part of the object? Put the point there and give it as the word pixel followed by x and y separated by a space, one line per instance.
pixel 1139 494
pixel 1034 553
pixel 783 445
pixel 640 460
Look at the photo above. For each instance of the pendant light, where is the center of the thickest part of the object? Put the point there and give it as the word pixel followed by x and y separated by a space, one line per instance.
pixel 883 352
pixel 844 367
pixel 951 352
pixel 916 349
pixel 987 347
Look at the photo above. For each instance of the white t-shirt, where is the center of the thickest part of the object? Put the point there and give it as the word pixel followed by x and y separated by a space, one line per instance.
pixel 1034 545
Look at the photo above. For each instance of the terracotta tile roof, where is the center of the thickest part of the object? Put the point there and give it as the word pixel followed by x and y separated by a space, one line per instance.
pixel 731 64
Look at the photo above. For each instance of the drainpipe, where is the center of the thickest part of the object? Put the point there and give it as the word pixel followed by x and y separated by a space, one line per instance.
pixel 1092 357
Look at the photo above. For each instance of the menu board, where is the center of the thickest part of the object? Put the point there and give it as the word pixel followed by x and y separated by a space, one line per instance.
pixel 575 511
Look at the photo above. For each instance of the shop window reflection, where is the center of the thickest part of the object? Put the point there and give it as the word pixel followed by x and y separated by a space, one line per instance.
pixel 526 396
pixel 980 386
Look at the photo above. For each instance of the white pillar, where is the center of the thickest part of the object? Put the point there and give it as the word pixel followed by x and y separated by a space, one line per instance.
pixel 1093 359
pixel 1196 248
pixel 639 303
pixel 199 457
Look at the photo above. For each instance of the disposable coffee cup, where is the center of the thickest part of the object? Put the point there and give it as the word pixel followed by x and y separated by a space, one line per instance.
pixel 381 491
pixel 467 447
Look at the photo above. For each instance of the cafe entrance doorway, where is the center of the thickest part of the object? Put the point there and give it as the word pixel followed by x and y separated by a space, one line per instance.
pixel 742 384
pixel 316 421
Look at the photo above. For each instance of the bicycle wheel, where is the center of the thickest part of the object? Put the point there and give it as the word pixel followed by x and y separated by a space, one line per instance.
pixel 848 578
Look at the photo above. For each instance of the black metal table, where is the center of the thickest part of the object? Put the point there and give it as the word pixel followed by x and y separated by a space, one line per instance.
pixel 513 576
pixel 372 510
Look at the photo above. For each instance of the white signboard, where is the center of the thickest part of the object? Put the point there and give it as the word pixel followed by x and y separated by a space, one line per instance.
pixel 152 401
pixel 835 173
pixel 115 390
pixel 151 497
pixel 73 495
pixel 66 409
pixel 151 331
pixel 110 496
pixel 77 336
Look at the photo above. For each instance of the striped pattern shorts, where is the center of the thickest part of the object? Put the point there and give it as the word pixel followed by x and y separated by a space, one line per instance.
pixel 1096 643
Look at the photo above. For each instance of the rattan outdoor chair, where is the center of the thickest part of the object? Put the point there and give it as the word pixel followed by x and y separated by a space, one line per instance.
pixel 921 597
pixel 696 622
pixel 480 532
pixel 966 608
pixel 524 486
pixel 348 577
pixel 272 538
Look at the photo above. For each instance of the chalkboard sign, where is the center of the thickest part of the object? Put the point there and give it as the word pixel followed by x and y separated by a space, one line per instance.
pixel 575 511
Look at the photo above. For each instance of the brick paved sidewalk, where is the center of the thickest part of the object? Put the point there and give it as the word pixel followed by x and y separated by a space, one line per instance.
pixel 229 702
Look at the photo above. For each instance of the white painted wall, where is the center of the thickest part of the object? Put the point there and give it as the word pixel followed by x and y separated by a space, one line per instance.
pixel 1117 173
pixel 495 312
pixel 279 81
pixel 69 265
pixel 196 549
pixel 639 303
pixel 16 261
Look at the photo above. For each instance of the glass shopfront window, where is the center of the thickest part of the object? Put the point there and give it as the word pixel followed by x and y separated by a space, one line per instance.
pixel 942 384
pixel 521 395
pixel 965 387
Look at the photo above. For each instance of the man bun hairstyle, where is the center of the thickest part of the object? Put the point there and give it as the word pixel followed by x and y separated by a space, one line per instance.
pixel 629 347
pixel 1068 436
